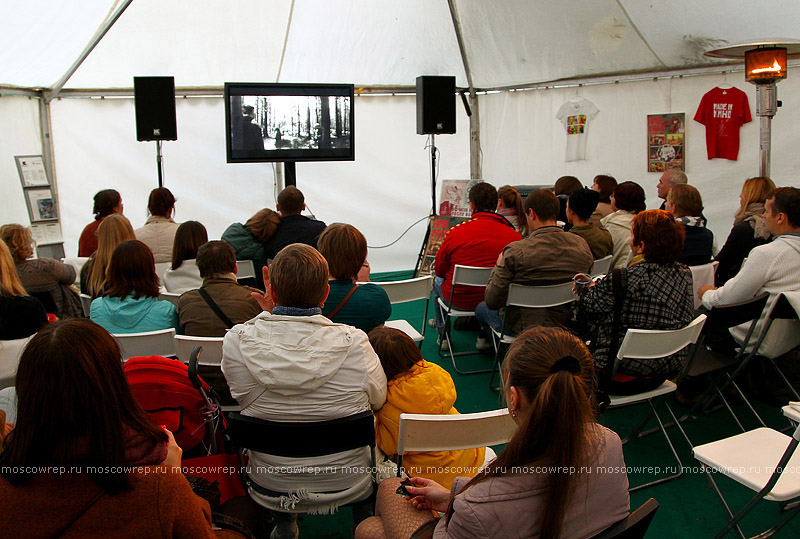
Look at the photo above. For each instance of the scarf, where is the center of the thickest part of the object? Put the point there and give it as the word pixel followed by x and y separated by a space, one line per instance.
pixel 697 221
pixel 754 215
pixel 295 311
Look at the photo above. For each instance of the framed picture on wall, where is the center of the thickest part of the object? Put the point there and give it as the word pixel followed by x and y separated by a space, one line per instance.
pixel 31 170
pixel 666 142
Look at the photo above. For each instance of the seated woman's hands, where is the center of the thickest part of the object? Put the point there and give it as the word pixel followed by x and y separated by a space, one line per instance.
pixel 428 494
pixel 174 452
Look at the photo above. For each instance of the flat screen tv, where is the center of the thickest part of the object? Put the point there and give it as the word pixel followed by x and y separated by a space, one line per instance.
pixel 267 122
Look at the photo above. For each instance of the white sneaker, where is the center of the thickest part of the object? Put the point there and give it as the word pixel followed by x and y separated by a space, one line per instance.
pixel 431 322
pixel 442 344
pixel 483 344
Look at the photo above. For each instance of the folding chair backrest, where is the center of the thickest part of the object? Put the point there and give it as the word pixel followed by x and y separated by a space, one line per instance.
pixel 148 343
pixel 86 304
pixel 655 343
pixel 634 526
pixel 245 269
pixel 10 352
pixel 430 432
pixel 601 266
pixel 161 268
pixel 540 295
pixel 76 262
pixel 471 275
pixel 212 349
pixel 407 290
pixel 303 439
pixel 783 308
pixel 169 296
pixel 702 275
pixel 734 314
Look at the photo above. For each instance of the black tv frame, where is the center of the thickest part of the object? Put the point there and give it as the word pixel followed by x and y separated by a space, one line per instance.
pixel 289 155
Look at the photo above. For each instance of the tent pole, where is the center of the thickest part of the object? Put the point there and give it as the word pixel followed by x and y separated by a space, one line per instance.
pixel 47 145
pixel 100 34
pixel 474 119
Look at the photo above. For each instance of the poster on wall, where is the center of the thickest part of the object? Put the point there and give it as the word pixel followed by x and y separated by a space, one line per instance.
pixel 666 142
pixel 31 170
pixel 453 200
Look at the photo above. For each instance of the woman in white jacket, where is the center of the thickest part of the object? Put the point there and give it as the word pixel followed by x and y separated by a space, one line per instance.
pixel 627 201
pixel 290 363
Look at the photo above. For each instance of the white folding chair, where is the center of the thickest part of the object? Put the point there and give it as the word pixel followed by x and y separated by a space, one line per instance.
pixel 462 276
pixel 431 432
pixel 532 297
pixel 404 292
pixel 757 460
pixel 76 262
pixel 86 304
pixel 245 269
pixel 147 343
pixel 161 269
pixel 653 344
pixel 702 275
pixel 169 296
pixel 212 349
pixel 10 352
pixel 601 266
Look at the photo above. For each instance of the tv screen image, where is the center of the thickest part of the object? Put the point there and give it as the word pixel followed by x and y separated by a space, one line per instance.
pixel 289 122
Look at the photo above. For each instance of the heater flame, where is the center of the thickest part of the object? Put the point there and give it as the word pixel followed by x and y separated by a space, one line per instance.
pixel 776 68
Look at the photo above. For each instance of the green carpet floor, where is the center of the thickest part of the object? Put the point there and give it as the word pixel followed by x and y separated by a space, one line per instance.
pixel 689 508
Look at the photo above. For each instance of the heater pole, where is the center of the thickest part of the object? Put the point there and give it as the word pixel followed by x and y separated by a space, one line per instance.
pixel 766 107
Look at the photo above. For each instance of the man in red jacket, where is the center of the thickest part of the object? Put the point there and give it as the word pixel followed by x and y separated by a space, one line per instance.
pixel 477 242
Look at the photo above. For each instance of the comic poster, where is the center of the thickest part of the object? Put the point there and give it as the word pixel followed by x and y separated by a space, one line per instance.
pixel 439 226
pixel 666 142
pixel 453 198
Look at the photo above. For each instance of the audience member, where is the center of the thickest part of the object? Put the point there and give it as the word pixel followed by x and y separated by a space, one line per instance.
pixel 563 188
pixel 416 386
pixel 112 231
pixel 655 292
pixel 183 275
pixel 76 412
pixel 291 353
pixel 476 242
pixel 548 256
pixel 580 208
pixel 294 228
pixel 248 239
pixel 130 303
pixel 106 202
pixel 548 388
pixel 749 228
pixel 365 306
pixel 216 262
pixel 671 177
pixel 604 185
pixel 627 201
pixel 770 268
pixel 47 279
pixel 20 314
pixel 158 231
pixel 509 205
pixel 686 204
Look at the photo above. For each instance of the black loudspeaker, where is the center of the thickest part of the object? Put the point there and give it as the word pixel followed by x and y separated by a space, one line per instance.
pixel 154 100
pixel 436 105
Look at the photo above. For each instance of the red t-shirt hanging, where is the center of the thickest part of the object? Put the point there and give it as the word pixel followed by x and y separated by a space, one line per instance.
pixel 723 111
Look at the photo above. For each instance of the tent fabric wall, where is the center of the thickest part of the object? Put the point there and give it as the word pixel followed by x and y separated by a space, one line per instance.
pixel 20 135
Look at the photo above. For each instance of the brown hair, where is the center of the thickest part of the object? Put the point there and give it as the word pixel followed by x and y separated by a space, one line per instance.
pixel 299 276
pixel 566 185
pixel 114 229
pixel 662 236
pixel 629 196
pixel 10 284
pixel 484 196
pixel 755 190
pixel 686 199
pixel 75 407
pixel 513 200
pixel 104 203
pixel 263 224
pixel 161 202
pixel 544 204
pixel 19 240
pixel 396 350
pixel 558 423
pixel 132 270
pixel 786 200
pixel 344 248
pixel 291 200
pixel 215 258
pixel 607 184
pixel 189 236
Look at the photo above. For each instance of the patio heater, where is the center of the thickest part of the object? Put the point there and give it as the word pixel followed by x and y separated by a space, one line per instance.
pixel 765 65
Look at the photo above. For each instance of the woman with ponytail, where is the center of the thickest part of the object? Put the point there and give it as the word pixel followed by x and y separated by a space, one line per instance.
pixel 509 205
pixel 561 475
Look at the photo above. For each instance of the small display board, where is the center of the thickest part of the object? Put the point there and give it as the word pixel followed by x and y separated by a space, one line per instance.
pixel 440 224
pixel 41 204
pixel 666 142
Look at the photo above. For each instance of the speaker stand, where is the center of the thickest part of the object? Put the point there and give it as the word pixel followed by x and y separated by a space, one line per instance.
pixel 432 214
pixel 289 174
pixel 160 164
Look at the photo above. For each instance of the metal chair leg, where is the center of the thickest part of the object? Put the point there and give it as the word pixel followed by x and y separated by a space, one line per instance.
pixel 672 448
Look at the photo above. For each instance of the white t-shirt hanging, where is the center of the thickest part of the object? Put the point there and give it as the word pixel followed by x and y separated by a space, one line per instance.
pixel 575 115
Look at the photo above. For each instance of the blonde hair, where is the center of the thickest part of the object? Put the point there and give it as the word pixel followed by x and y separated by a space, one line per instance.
pixel 10 284
pixel 114 229
pixel 19 240
pixel 755 190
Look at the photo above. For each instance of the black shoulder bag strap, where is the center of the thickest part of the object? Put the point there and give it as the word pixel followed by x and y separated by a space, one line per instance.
pixel 214 307
pixel 616 321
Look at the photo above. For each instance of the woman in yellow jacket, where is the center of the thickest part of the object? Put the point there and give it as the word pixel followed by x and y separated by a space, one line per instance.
pixel 417 387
